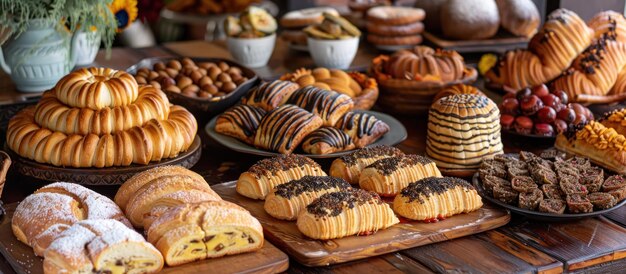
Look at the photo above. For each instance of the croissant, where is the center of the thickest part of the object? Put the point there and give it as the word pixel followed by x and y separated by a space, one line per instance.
pixel 329 105
pixel 284 128
pixel 101 246
pixel 389 176
pixel 327 140
pixel 266 174
pixel 97 88
pixel 348 212
pixel 434 198
pixel 610 25
pixel 270 95
pixel 362 127
pixel 550 52
pixel 209 229
pixel 52 114
pixel 240 122
pixel 349 167
pixel 155 140
pixel 288 199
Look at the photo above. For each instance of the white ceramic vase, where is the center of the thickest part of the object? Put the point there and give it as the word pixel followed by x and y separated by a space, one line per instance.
pixel 88 44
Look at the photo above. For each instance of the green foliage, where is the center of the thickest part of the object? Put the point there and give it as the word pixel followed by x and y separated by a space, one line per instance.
pixel 72 14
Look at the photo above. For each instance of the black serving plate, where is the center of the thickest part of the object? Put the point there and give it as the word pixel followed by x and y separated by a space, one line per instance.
pixel 536 215
pixel 203 109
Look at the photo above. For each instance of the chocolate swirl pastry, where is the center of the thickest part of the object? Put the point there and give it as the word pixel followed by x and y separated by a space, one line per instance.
pixel 435 198
pixel 283 129
pixel 349 167
pixel 270 95
pixel 289 199
pixel 344 213
pixel 240 122
pixel 329 105
pixel 463 129
pixel 364 128
pixel 327 140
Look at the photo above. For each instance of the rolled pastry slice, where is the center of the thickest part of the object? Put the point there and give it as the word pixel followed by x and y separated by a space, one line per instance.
pixel 327 140
pixel 349 167
pixel 362 127
pixel 270 95
pixel 101 246
pixel 266 174
pixel 130 187
pixel 329 105
pixel 287 200
pixel 433 199
pixel 283 129
pixel 240 122
pixel 389 176
pixel 348 212
pixel 145 197
pixel 211 229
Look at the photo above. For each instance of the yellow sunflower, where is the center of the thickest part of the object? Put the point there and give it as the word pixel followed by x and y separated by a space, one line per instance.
pixel 125 12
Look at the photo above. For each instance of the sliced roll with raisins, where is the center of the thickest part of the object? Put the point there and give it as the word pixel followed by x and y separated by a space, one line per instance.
pixel 210 229
pixel 283 129
pixel 363 128
pixel 266 174
pixel 329 105
pixel 287 200
pixel 240 122
pixel 436 198
pixel 389 176
pixel 345 213
pixel 349 167
pixel 327 140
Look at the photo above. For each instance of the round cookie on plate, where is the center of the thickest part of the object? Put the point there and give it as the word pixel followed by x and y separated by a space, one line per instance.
pixel 391 28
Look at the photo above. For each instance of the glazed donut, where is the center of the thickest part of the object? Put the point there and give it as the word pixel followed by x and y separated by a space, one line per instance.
pixel 97 88
pixel 52 114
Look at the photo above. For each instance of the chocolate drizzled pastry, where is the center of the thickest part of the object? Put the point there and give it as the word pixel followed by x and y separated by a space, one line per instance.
pixel 416 191
pixel 388 165
pixel 370 152
pixel 329 105
pixel 283 128
pixel 270 95
pixel 269 166
pixel 309 184
pixel 363 128
pixel 333 204
pixel 240 122
pixel 327 140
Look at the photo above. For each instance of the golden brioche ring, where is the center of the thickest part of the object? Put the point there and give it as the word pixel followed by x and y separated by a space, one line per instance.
pixel 54 115
pixel 97 88
pixel 155 140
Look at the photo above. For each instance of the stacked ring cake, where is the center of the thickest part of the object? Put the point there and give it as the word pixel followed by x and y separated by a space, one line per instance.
pixel 462 130
pixel 100 117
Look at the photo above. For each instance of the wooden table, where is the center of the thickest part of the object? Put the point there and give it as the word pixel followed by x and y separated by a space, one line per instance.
pixel 596 245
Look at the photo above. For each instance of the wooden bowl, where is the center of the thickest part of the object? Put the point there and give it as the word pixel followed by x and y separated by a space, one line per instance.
pixel 414 97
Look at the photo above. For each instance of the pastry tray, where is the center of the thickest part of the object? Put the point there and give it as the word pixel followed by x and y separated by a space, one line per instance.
pixel 266 260
pixel 99 176
pixel 405 235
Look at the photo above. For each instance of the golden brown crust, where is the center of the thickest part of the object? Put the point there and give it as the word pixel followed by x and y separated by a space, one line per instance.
pixel 283 129
pixel 413 39
pixel 349 167
pixel 240 122
pixel 389 176
pixel 270 95
pixel 328 105
pixel 327 140
pixel 362 127
pixel 391 15
pixel 425 64
pixel 609 25
pixel 519 17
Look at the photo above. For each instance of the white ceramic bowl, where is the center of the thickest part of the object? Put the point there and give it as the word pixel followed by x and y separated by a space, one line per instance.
pixel 333 53
pixel 252 52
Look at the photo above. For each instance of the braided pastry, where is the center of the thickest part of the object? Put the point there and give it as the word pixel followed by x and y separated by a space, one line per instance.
pixel 97 88
pixel 283 129
pixel 550 52
pixel 155 140
pixel 240 122
pixel 327 140
pixel 389 176
pixel 434 198
pixel 329 105
pixel 54 115
pixel 349 167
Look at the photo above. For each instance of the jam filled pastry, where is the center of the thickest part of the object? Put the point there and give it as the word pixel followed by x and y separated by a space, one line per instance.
pixel 348 212
pixel 283 129
pixel 329 105
pixel 240 122
pixel 287 200
pixel 101 246
pixel 349 167
pixel 270 95
pixel 211 229
pixel 266 174
pixel 327 140
pixel 389 176
pixel 363 127
pixel 436 198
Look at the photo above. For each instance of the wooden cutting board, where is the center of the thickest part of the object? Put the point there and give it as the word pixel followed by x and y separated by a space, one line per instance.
pixel 267 260
pixel 288 238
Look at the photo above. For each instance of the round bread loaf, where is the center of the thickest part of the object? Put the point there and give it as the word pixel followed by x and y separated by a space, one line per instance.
pixel 424 62
pixel 519 17
pixel 462 130
pixel 470 19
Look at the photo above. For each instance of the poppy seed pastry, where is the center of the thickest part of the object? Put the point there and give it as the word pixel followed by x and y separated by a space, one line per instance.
pixel 349 212
pixel 389 176
pixel 283 129
pixel 436 198
pixel 349 167
pixel 463 130
pixel 240 122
